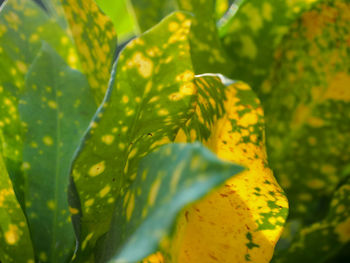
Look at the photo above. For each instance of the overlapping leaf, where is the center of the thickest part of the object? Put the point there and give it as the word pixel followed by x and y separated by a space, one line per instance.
pixel 243 220
pixel 167 180
pixel 95 40
pixel 23 25
pixel 307 108
pixel 322 240
pixel 252 34
pixel 151 96
pixel 15 243
pixel 56 109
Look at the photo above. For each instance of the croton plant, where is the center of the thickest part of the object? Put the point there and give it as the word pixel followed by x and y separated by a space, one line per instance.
pixel 164 146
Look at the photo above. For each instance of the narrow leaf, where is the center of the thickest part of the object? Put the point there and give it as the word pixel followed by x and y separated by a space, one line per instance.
pixel 56 109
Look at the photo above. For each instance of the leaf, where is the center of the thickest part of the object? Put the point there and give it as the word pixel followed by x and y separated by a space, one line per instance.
pixel 242 220
pixel 150 12
pixel 119 13
pixel 207 52
pixel 167 180
pixel 252 34
pixel 95 40
pixel 150 96
pixel 15 243
pixel 307 108
pixel 321 240
pixel 23 25
pixel 56 109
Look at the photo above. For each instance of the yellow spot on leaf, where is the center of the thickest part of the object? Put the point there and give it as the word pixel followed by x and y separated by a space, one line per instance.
pixel 108 139
pixel 105 191
pixel 48 140
pixel 52 104
pixel 73 210
pixel 12 235
pixel 51 204
pixel 97 169
pixel 89 202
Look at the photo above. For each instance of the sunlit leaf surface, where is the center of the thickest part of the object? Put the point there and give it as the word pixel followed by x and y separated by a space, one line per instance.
pixel 56 109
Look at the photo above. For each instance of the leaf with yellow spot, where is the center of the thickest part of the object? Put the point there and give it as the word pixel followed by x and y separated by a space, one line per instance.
pixel 23 25
pixel 321 241
pixel 307 105
pixel 251 34
pixel 243 220
pixel 15 242
pixel 95 40
pixel 55 132
pixel 208 54
pixel 170 178
pixel 149 98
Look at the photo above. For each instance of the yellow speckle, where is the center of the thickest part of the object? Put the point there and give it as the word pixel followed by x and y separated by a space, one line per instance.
pixel 86 240
pixel 25 166
pixel 143 64
pixel 173 26
pixel 21 67
pixel 48 140
pixel 328 169
pixel 249 48
pixel 64 40
pixel 12 235
pixel 130 207
pixel 343 230
pixel 108 139
pixel 105 191
pixel 154 191
pixel 188 89
pixel 52 104
pixel 316 183
pixel 43 256
pixel 163 112
pixel 73 210
pixel 185 76
pixel 51 204
pixel 97 169
pixel 89 202
pixel 125 99
pixel 267 11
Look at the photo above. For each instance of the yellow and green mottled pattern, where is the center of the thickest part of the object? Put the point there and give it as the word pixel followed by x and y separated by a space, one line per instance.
pixel 152 94
pixel 251 35
pixel 15 243
pixel 95 41
pixel 150 12
pixel 23 26
pixel 208 55
pixel 321 240
pixel 307 107
pixel 56 109
pixel 243 220
pixel 167 180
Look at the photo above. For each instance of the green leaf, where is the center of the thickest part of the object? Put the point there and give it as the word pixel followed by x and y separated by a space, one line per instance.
pixel 307 108
pixel 167 180
pixel 207 52
pixel 15 243
pixel 150 12
pixel 119 13
pixel 23 25
pixel 151 96
pixel 95 40
pixel 252 34
pixel 56 109
pixel 322 240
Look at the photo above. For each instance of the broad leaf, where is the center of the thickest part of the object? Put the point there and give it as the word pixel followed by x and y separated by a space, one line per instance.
pixel 307 108
pixel 15 243
pixel 56 109
pixel 320 241
pixel 23 25
pixel 243 220
pixel 252 34
pixel 150 97
pixel 167 180
pixel 95 40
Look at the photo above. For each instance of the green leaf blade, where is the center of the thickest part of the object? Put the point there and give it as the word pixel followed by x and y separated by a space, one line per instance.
pixel 56 109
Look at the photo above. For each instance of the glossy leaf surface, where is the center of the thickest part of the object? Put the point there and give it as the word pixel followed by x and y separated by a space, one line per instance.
pixel 15 243
pixel 167 180
pixel 56 109
pixel 151 96
pixel 95 40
